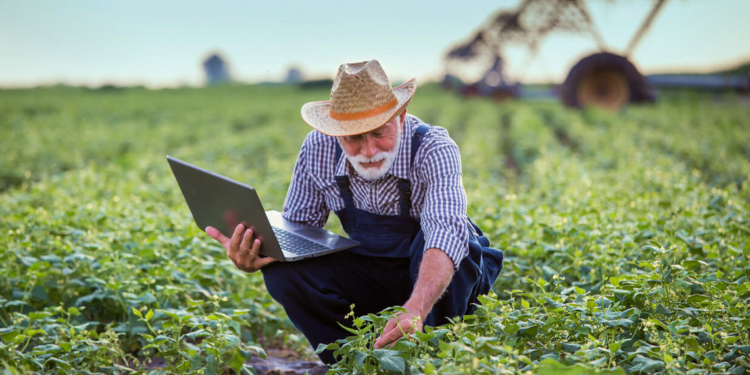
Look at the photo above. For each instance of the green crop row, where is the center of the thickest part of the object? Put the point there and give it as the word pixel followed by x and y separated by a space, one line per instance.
pixel 619 256
pixel 626 235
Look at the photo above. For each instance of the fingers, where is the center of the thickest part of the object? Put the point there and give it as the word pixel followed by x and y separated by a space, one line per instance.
pixel 243 250
pixel 262 262
pixel 388 327
pixel 391 332
pixel 247 239
pixel 215 234
pixel 255 250
pixel 245 255
pixel 234 243
pixel 393 335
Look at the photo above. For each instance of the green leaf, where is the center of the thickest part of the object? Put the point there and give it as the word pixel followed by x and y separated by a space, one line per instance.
pixel 8 334
pixel 15 303
pixel 195 334
pixel 615 346
pixel 122 368
pixel 511 329
pixel 423 337
pixel 389 360
pixel 530 331
pixel 663 310
pixel 697 299
pixel 652 248
pixel 162 338
pixel 693 264
pixel 570 348
pixel 323 347
pixel 710 278
pixel 60 363
pixel 645 364
pixel 39 315
pixel 236 362
pixel 258 350
pixel 137 312
pixel 445 348
pixel 65 346
pixel 149 314
pixel 360 357
pixel 350 330
pixel 551 367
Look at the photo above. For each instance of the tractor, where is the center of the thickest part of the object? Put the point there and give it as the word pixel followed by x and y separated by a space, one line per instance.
pixel 604 79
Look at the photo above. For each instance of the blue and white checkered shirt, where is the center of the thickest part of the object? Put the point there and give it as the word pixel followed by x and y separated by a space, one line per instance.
pixel 438 197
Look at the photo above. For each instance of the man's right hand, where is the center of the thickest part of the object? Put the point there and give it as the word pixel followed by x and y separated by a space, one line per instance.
pixel 239 249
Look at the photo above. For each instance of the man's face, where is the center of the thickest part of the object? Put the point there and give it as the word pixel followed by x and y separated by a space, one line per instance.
pixel 372 153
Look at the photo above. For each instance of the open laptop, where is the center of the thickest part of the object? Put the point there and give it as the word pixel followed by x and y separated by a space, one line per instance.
pixel 223 203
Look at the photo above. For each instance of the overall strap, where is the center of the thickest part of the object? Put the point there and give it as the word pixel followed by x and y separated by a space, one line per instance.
pixel 404 194
pixel 342 181
pixel 416 140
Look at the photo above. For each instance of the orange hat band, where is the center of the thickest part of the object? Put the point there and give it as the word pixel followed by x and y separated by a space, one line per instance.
pixel 364 114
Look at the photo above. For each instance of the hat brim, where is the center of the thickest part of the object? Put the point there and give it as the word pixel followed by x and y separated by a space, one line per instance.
pixel 317 114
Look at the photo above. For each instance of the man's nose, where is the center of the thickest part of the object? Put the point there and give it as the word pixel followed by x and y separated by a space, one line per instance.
pixel 369 149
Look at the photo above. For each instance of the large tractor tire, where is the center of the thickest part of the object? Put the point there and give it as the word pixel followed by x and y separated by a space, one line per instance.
pixel 605 80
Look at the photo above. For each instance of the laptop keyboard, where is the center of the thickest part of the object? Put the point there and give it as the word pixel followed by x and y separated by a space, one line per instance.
pixel 296 244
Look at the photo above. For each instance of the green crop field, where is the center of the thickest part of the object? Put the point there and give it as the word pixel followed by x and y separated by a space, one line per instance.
pixel 627 236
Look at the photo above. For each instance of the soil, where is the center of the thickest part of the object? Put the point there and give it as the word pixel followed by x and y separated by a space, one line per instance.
pixel 284 362
pixel 277 362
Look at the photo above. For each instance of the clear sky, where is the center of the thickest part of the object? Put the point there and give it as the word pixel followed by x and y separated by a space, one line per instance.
pixel 161 43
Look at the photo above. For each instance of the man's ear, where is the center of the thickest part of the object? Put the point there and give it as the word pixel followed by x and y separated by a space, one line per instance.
pixel 402 117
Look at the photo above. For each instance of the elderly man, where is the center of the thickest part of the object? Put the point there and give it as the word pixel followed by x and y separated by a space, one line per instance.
pixel 398 191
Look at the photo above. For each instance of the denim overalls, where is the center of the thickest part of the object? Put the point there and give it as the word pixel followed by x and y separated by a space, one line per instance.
pixel 379 273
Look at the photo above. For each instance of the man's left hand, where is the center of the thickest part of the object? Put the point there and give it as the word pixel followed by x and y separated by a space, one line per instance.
pixel 392 332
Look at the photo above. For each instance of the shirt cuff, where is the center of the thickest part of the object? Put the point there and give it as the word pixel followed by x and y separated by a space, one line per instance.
pixel 456 248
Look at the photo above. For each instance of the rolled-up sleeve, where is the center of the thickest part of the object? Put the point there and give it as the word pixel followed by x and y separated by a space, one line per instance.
pixel 304 202
pixel 443 216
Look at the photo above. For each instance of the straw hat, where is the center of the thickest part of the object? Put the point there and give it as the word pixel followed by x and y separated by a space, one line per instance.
pixel 362 99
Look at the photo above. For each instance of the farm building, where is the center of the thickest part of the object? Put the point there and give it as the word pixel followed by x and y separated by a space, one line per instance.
pixel 217 70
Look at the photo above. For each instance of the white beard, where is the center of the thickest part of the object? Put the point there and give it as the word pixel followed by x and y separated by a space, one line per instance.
pixel 372 174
